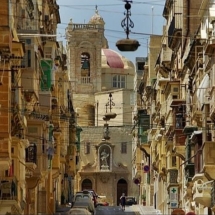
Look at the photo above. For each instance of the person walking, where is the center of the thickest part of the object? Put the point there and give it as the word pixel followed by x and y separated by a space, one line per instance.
pixel 122 201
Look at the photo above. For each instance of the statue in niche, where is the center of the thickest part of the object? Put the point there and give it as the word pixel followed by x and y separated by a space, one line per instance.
pixel 104 160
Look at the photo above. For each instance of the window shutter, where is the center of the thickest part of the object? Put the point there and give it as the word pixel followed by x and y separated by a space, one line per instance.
pixel 124 147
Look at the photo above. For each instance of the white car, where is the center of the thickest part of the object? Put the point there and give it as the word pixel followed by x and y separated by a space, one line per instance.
pixel 82 199
pixel 78 211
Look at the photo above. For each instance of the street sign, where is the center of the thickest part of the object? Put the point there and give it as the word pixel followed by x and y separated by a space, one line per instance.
pixel 173 197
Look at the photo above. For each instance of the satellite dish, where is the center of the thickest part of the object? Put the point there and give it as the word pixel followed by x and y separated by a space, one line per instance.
pixel 146 168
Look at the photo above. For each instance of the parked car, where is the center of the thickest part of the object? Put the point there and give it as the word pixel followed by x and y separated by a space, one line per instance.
pixel 78 211
pixel 84 204
pixel 102 201
pixel 82 195
pixel 130 200
pixel 102 204
pixel 94 194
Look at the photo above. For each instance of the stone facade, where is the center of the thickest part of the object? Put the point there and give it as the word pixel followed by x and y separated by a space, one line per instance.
pixel 106 176
pixel 101 86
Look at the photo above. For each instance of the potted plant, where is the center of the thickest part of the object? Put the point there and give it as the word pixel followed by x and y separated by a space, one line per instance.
pixel 143 197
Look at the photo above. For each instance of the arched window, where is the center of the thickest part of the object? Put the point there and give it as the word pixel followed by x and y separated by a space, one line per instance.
pixel 85 67
pixel 87 184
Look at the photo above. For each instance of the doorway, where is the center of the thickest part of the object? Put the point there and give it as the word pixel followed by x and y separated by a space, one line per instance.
pixel 87 184
pixel 122 187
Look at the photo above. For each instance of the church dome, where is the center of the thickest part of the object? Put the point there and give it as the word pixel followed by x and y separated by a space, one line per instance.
pixel 112 59
pixel 96 18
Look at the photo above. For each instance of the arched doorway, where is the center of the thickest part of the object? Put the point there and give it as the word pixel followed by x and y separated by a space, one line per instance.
pixel 122 187
pixel 87 184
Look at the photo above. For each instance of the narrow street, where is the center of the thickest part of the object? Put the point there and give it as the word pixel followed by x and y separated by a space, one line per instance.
pixel 115 210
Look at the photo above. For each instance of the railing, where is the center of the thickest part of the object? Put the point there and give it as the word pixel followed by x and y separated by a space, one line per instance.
pixel 86 26
pixel 85 80
pixel 27 25
pixel 8 188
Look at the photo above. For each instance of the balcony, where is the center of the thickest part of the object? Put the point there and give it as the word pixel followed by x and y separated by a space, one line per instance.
pixel 197 116
pixel 45 102
pixel 189 171
pixel 208 158
pixel 27 25
pixel 165 55
pixel 213 196
pixel 202 192
pixel 212 111
pixel 175 30
pixel 56 162
pixel 145 147
pixel 8 188
pixel 5 154
pixel 179 143
pixel 30 86
pixel 172 177
pixel 85 80
pixel 31 154
pixel 5 39
pixel 9 195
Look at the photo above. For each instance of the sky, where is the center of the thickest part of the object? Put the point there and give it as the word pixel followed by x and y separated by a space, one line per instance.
pixel 146 16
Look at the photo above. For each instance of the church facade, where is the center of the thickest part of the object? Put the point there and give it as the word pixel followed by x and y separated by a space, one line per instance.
pixel 103 98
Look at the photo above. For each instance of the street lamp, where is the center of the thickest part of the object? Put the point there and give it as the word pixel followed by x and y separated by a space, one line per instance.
pixel 108 116
pixel 127 44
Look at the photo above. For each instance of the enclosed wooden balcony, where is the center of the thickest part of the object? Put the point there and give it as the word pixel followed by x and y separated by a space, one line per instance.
pixel 165 56
pixel 10 196
pixel 8 188
pixel 31 157
pixel 5 154
pixel 30 84
pixel 56 161
pixel 175 30
pixel 208 158
pixel 172 177
pixel 213 196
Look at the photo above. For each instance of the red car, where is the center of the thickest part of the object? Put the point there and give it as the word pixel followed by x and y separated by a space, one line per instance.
pixel 102 204
pixel 102 201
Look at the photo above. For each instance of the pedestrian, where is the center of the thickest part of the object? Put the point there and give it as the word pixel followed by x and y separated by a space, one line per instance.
pixel 122 201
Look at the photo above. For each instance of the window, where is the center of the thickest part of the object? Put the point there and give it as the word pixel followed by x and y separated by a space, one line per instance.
pixel 123 147
pixel 48 52
pixel 140 65
pixel 85 64
pixel 118 81
pixel 174 161
pixel 87 148
pixel 27 59
pixel 10 171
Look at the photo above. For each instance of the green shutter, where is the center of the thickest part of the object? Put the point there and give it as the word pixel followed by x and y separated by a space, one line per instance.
pixel 46 66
